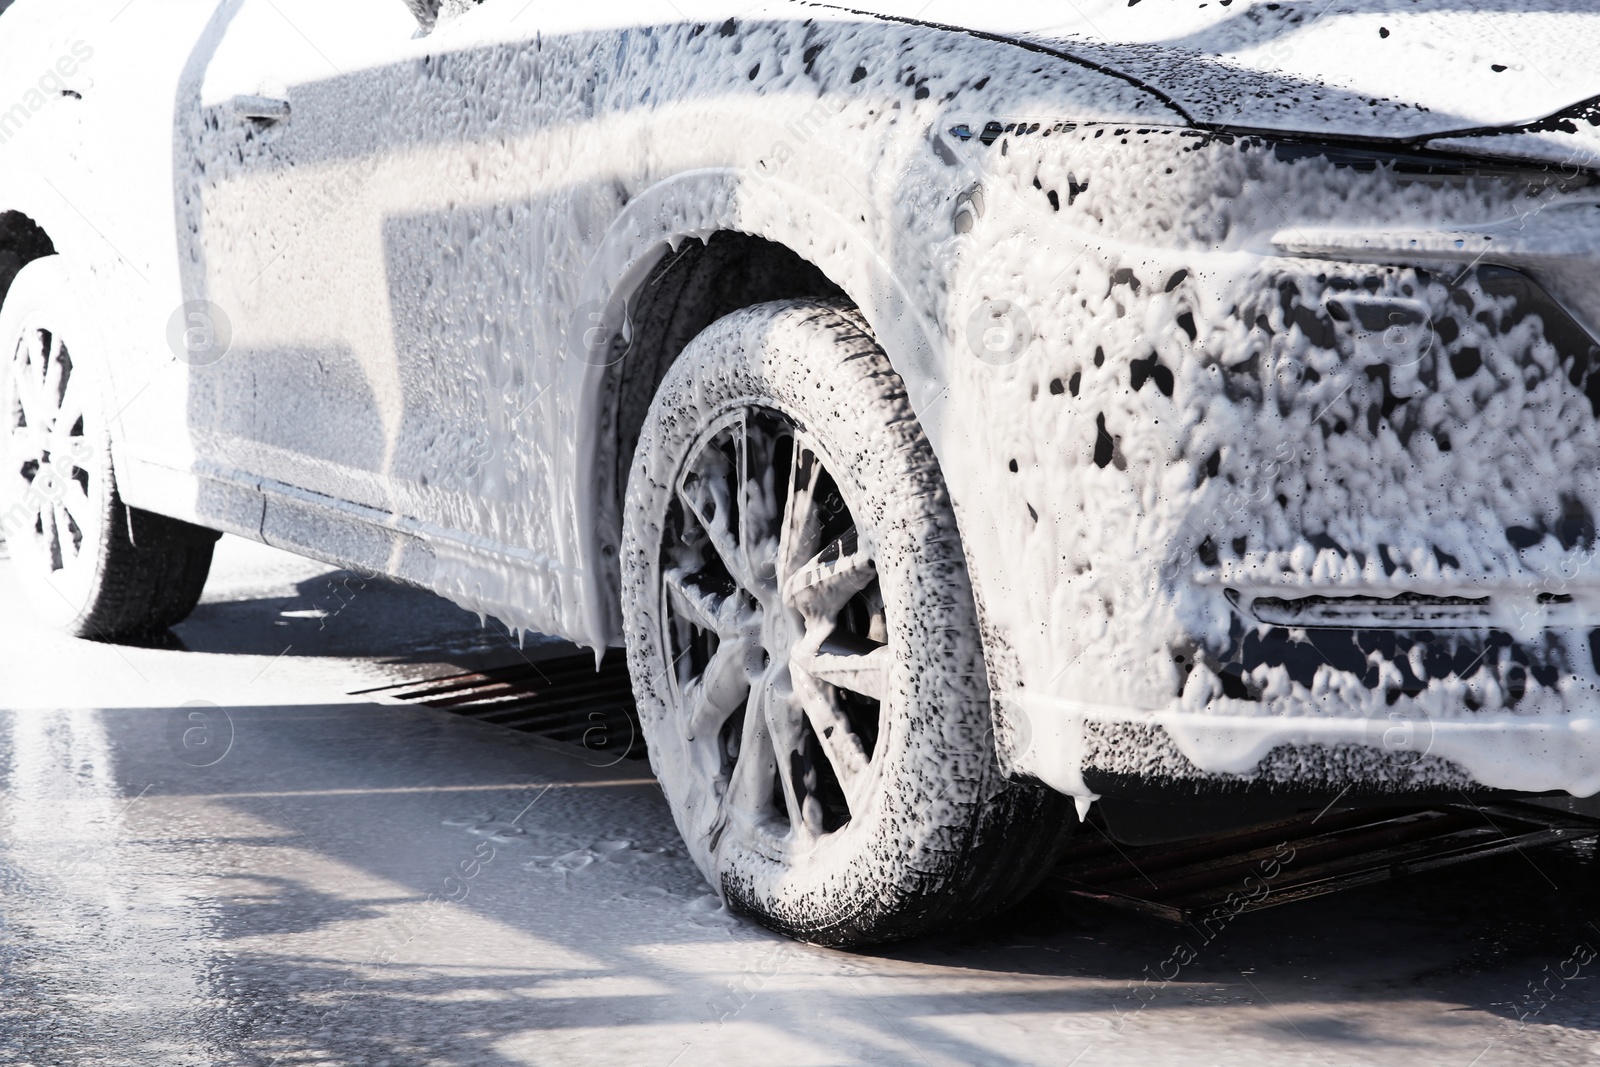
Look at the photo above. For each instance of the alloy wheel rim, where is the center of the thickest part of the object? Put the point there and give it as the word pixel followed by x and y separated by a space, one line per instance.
pixel 774 628
pixel 48 454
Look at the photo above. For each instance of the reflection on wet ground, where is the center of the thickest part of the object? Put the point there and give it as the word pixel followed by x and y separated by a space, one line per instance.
pixel 345 883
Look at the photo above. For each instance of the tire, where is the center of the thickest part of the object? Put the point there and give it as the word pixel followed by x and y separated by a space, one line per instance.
pixel 804 643
pixel 88 564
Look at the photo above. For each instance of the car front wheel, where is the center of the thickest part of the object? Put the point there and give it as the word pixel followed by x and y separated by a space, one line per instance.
pixel 804 644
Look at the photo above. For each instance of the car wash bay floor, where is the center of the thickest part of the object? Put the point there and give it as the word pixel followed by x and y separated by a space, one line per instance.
pixel 210 853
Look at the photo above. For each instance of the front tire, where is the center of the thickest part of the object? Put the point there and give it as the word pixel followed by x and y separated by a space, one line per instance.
pixel 804 644
pixel 88 563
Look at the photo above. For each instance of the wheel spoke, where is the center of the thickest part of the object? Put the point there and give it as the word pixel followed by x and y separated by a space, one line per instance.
pixel 760 510
pixel 720 688
pixel 741 485
pixel 707 610
pixel 57 374
pixel 750 786
pixel 69 405
pixel 820 587
pixel 863 672
pixel 26 379
pixel 798 536
pixel 783 726
pixel 69 533
pixel 52 536
pixel 68 451
pixel 27 445
pixel 41 380
pixel 47 483
pixel 74 501
pixel 840 744
pixel 710 502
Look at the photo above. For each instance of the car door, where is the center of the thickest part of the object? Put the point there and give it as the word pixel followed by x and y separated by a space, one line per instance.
pixel 284 322
pixel 391 249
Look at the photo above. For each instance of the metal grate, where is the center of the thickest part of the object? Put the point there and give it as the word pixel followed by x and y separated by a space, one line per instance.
pixel 563 699
pixel 1307 856
pixel 1202 880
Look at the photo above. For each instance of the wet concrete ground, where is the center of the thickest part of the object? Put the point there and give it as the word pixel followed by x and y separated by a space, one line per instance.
pixel 210 854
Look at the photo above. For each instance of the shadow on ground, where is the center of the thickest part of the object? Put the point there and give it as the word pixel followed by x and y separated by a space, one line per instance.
pixel 344 614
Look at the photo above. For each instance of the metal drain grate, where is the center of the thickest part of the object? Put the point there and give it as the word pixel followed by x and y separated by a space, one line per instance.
pixel 563 699
pixel 1205 880
pixel 1217 877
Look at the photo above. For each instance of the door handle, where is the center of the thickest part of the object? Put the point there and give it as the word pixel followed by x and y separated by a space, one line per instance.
pixel 263 109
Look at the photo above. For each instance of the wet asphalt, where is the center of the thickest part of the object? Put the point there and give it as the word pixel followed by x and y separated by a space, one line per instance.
pixel 211 853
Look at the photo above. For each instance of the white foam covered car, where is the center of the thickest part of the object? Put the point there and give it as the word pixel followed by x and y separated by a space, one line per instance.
pixel 958 410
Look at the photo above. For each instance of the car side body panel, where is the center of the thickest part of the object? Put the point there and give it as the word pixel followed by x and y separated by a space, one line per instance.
pixel 447 224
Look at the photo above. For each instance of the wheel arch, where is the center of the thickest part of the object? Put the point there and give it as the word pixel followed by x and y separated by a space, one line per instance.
pixel 771 241
pixel 22 240
pixel 31 228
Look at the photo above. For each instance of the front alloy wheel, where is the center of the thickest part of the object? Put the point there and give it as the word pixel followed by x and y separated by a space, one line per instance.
pixel 774 621
pixel 803 641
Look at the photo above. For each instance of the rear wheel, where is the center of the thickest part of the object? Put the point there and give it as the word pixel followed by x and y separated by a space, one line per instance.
pixel 803 642
pixel 89 564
